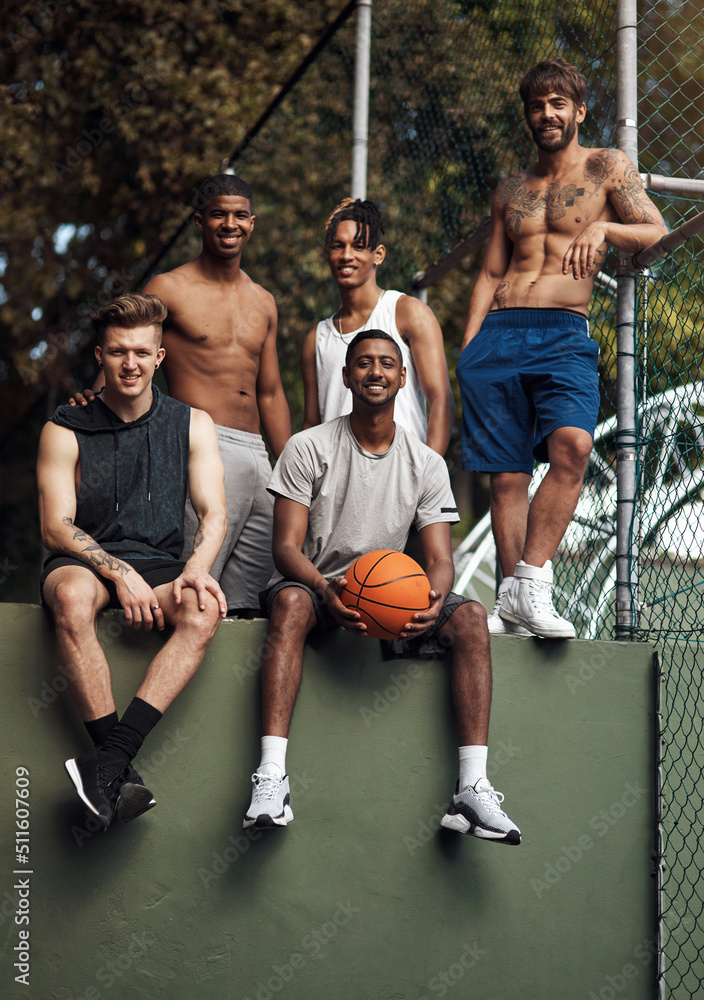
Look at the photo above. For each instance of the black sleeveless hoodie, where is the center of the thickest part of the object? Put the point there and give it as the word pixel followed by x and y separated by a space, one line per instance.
pixel 134 476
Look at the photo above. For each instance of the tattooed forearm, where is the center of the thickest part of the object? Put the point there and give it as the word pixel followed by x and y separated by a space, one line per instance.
pixel 199 536
pixel 92 554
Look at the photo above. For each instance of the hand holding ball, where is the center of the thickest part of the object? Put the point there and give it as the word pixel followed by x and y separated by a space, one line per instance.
pixel 387 588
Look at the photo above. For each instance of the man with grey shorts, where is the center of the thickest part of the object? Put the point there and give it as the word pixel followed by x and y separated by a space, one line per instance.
pixel 328 481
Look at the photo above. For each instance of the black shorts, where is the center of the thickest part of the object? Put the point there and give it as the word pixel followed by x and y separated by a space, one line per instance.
pixel 154 571
pixel 427 645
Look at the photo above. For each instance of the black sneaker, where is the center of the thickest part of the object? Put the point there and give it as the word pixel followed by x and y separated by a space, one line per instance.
pixel 133 798
pixel 95 785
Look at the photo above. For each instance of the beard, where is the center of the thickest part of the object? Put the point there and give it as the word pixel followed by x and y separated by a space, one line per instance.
pixel 556 142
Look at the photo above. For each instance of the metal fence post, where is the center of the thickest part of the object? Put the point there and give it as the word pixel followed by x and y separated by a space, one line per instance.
pixel 626 434
pixel 360 118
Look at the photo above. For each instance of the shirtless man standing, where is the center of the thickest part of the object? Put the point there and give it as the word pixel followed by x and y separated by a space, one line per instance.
pixel 528 369
pixel 220 340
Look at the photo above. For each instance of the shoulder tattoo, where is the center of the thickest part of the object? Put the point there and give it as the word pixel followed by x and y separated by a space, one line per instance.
pixel 600 166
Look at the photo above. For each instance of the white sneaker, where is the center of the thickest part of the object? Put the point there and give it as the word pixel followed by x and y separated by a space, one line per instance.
pixel 477 811
pixel 270 802
pixel 495 623
pixel 529 603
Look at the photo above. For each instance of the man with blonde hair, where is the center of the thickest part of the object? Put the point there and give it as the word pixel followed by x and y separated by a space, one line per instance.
pixel 112 480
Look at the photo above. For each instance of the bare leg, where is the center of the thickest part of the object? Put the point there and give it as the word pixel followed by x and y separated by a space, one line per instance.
pixel 509 516
pixel 471 673
pixel 555 501
pixel 179 659
pixel 292 618
pixel 75 596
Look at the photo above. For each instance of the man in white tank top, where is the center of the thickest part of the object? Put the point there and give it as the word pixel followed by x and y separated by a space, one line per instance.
pixel 354 251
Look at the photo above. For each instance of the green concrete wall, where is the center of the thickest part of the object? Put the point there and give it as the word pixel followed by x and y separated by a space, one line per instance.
pixel 363 896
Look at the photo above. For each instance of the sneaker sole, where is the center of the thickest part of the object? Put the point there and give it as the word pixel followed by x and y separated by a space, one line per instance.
pixel 266 822
pixel 133 801
pixel 75 776
pixel 458 823
pixel 543 633
pixel 507 628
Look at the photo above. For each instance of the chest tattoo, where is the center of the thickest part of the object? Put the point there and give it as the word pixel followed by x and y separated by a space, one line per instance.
pixel 552 204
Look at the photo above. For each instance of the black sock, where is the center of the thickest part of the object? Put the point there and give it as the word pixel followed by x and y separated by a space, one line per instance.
pixel 127 736
pixel 100 729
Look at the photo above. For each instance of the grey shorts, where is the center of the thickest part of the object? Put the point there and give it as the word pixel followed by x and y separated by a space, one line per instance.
pixel 426 646
pixel 244 564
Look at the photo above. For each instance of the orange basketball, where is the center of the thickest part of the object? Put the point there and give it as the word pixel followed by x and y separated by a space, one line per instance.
pixel 387 588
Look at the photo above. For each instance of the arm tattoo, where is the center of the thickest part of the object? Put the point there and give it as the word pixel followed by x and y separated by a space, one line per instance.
pixel 600 166
pixel 632 199
pixel 500 295
pixel 92 554
pixel 199 537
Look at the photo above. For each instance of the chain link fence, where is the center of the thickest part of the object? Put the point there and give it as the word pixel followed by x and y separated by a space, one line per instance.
pixel 445 127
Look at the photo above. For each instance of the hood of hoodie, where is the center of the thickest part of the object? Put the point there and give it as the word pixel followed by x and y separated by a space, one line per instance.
pixel 133 476
pixel 98 418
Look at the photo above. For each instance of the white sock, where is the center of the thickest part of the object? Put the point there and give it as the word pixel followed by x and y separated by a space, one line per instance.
pixel 273 761
pixel 472 765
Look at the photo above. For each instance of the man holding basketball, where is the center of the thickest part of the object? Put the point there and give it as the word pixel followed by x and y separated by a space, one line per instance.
pixel 327 481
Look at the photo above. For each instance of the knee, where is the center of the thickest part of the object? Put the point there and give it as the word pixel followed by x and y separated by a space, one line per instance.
pixel 292 608
pixel 201 623
pixel 570 453
pixel 468 621
pixel 507 486
pixel 73 605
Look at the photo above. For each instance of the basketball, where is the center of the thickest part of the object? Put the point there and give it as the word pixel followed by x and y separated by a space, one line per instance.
pixel 386 588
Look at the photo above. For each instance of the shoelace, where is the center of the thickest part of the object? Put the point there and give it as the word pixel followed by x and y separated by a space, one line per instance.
pixel 266 786
pixel 495 612
pixel 491 799
pixel 539 596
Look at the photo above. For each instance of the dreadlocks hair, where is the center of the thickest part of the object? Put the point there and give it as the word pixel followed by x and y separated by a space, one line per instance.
pixel 366 214
pixel 222 184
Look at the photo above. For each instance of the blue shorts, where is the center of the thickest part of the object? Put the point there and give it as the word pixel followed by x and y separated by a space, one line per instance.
pixel 525 374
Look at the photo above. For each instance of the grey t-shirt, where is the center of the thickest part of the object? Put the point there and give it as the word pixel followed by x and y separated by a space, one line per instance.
pixel 358 501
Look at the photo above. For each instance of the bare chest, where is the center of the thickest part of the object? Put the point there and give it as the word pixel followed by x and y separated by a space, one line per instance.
pixel 214 323
pixel 555 207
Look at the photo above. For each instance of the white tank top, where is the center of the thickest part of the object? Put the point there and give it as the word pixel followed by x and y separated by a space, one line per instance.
pixel 330 349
